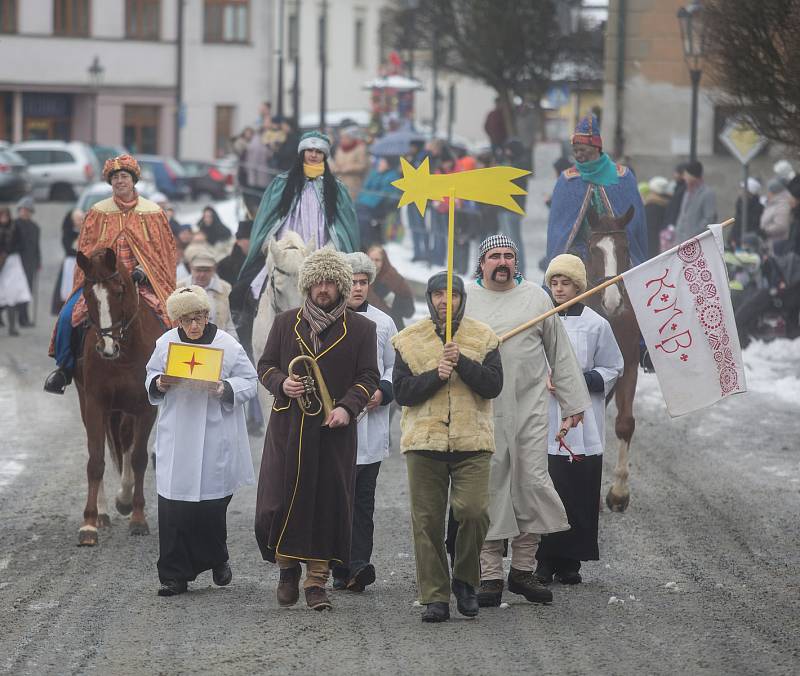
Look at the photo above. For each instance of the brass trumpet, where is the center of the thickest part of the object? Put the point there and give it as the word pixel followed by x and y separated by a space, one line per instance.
pixel 313 390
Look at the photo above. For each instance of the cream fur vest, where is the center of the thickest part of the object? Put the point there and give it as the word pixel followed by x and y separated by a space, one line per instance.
pixel 455 418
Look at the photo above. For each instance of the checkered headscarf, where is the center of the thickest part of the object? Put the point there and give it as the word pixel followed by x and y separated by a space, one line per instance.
pixel 494 242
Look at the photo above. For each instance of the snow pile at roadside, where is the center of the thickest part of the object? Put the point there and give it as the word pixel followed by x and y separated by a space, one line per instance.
pixel 774 368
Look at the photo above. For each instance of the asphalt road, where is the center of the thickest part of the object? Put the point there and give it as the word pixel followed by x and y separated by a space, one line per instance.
pixel 704 567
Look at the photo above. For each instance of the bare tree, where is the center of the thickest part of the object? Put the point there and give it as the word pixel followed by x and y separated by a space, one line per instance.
pixel 753 50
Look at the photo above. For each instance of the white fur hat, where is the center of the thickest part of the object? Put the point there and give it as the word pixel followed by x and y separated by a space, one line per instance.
pixel 659 185
pixel 186 300
pixel 362 264
pixel 569 266
pixel 325 264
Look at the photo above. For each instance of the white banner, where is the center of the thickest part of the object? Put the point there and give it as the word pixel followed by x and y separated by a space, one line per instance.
pixel 683 306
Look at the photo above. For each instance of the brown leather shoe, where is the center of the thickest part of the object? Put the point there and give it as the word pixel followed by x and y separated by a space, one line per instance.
pixel 288 591
pixel 317 599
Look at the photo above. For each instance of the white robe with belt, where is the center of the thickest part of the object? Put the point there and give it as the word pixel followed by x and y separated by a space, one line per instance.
pixel 202 447
pixel 522 498
pixel 597 350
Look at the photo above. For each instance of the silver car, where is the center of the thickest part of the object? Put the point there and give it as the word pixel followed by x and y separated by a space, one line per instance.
pixel 59 169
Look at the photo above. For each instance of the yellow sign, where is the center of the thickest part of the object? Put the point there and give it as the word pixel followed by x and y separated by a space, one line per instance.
pixel 194 362
pixel 742 140
pixel 492 185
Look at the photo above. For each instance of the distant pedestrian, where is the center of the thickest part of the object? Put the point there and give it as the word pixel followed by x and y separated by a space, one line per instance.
pixel 495 127
pixel 699 204
pixel 218 236
pixel 750 193
pixel 203 273
pixel 776 217
pixel 13 282
pixel 679 187
pixel 350 162
pixel 655 206
pixel 390 292
pixel 29 234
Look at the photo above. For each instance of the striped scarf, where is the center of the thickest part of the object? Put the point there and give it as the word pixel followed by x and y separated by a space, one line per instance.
pixel 319 320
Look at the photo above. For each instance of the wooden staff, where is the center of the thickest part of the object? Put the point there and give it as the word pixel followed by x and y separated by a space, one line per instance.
pixel 578 299
pixel 451 231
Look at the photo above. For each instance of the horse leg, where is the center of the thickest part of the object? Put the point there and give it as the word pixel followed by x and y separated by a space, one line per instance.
pixel 124 501
pixel 95 466
pixel 103 519
pixel 619 496
pixel 141 433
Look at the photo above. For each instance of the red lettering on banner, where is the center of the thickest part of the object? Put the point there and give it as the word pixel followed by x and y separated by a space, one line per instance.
pixel 675 343
pixel 661 286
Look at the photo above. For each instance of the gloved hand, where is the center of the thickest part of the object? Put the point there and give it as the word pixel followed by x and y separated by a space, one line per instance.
pixel 138 275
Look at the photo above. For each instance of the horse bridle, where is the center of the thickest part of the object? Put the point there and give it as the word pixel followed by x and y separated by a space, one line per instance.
pixel 121 324
pixel 275 269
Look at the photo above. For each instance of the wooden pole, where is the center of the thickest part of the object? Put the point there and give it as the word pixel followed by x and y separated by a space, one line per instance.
pixel 451 229
pixel 578 299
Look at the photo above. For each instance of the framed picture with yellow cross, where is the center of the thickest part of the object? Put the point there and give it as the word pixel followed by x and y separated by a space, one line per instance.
pixel 193 365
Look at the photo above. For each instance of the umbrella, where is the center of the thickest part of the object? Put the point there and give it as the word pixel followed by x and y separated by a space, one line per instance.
pixel 396 143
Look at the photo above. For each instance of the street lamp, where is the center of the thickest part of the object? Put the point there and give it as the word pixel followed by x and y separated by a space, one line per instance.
pixel 690 19
pixel 96 72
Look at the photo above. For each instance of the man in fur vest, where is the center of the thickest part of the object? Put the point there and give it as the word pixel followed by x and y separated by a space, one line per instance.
pixel 304 508
pixel 447 436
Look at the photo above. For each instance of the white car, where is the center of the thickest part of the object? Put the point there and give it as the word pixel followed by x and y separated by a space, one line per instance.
pixel 97 192
pixel 59 169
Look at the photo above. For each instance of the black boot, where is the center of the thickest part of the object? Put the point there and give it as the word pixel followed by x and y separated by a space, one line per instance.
pixel 438 611
pixel 57 381
pixel 466 598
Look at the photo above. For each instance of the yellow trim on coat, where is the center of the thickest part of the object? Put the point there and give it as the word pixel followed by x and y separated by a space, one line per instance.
pixel 327 349
pixel 363 388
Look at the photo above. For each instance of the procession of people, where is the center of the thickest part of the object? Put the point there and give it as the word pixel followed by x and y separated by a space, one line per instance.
pixel 502 439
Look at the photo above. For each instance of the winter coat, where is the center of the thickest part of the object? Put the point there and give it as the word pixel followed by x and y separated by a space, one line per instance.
pixel 351 166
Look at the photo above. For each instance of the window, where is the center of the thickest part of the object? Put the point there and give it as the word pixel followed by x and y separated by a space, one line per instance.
pixel 143 19
pixel 8 16
pixel 71 17
pixel 140 130
pixel 358 46
pixel 223 130
pixel 226 20
pixel 61 157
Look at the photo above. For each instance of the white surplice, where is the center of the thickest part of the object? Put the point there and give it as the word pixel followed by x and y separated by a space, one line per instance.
pixel 597 350
pixel 202 447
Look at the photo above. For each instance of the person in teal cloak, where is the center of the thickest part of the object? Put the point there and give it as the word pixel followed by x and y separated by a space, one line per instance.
pixel 307 199
pixel 594 182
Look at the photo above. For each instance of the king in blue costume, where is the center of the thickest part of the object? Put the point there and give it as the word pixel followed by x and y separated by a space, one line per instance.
pixel 596 183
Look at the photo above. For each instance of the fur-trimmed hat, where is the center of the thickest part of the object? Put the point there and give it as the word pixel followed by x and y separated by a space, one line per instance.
pixel 325 264
pixel 186 300
pixel 121 163
pixel 569 266
pixel 315 140
pixel 362 265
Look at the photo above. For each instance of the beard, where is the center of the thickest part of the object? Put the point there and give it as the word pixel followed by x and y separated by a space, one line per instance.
pixel 501 268
pixel 325 302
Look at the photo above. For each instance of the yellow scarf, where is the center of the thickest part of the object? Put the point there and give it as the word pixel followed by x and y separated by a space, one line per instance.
pixel 313 170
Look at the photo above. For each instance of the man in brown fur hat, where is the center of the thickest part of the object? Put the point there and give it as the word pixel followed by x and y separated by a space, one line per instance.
pixel 304 508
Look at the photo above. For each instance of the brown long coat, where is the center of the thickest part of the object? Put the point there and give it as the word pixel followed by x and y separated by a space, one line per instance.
pixel 304 508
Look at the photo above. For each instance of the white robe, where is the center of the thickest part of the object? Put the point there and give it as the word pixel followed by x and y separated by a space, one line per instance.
pixel 597 350
pixel 522 498
pixel 373 428
pixel 202 447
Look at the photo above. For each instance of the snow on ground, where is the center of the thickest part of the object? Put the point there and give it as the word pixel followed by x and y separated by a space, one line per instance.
pixel 774 368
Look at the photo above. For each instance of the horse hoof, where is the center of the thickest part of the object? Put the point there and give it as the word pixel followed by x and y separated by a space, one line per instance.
pixel 123 508
pixel 87 537
pixel 617 503
pixel 103 521
pixel 139 528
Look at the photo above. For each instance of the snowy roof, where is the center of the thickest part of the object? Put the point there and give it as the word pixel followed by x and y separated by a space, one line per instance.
pixel 394 82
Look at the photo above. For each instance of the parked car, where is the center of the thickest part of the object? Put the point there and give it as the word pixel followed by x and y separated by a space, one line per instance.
pixel 58 169
pixel 15 181
pixel 169 175
pixel 103 153
pixel 96 192
pixel 209 180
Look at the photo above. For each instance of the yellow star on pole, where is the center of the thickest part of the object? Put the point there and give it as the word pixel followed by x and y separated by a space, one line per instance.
pixel 492 185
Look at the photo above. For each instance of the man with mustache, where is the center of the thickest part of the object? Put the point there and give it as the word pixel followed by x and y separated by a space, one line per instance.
pixel 523 503
pixel 304 507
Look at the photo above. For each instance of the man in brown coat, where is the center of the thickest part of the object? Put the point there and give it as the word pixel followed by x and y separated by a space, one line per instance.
pixel 304 508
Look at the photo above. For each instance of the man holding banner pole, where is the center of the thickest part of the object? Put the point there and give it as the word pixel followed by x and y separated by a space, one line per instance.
pixel 523 503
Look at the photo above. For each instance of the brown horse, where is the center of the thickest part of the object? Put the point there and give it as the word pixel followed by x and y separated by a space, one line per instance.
pixel 110 379
pixel 608 257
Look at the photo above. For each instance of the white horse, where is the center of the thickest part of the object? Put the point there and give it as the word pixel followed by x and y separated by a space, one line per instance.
pixel 284 257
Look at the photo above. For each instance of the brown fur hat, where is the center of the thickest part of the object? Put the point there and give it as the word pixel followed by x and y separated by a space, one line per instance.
pixel 325 264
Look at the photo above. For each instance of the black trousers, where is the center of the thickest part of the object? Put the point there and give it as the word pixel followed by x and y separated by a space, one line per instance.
pixel 192 537
pixel 363 524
